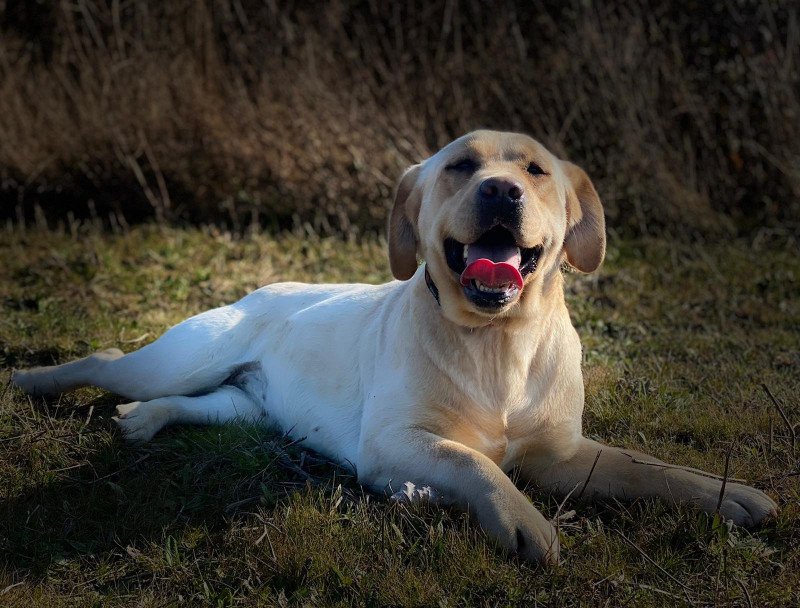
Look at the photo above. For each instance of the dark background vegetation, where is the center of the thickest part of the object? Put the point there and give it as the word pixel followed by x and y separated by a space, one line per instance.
pixel 686 114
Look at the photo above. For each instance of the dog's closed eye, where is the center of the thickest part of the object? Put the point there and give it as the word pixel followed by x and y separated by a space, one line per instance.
pixel 464 165
pixel 535 169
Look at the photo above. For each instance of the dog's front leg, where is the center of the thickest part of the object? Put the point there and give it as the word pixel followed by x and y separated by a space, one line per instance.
pixel 465 478
pixel 601 470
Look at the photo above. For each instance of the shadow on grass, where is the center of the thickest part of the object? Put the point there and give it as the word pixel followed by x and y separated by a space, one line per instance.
pixel 83 491
pixel 187 513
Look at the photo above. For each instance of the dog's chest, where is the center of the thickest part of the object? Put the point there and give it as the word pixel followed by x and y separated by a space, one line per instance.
pixel 495 393
pixel 477 429
pixel 491 428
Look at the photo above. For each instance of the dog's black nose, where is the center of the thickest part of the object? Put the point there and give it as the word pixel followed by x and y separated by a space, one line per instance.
pixel 500 202
pixel 497 190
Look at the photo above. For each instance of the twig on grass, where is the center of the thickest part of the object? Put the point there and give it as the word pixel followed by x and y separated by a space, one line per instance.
pixel 269 541
pixel 653 562
pixel 700 472
pixel 778 477
pixel 586 483
pixel 88 418
pixel 10 587
pixel 557 516
pixel 29 436
pixel 771 435
pixel 141 338
pixel 239 503
pixel 724 477
pixel 792 434
pixel 746 593
pixel 288 463
pixel 69 468
pixel 638 585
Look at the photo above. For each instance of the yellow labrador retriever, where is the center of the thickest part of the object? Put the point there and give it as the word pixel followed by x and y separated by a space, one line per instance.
pixel 464 368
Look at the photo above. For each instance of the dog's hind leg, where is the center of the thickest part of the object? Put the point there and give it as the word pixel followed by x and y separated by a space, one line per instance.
pixel 194 356
pixel 140 420
pixel 55 379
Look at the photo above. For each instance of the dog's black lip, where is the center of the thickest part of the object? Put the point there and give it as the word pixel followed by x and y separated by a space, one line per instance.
pixel 490 301
pixel 530 259
pixel 454 254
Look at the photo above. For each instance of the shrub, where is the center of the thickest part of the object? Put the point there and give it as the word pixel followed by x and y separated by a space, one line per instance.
pixel 685 114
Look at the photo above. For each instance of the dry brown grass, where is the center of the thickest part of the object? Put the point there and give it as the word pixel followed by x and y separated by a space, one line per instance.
pixel 687 116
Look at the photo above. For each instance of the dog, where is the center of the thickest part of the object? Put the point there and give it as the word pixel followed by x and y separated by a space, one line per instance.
pixel 464 368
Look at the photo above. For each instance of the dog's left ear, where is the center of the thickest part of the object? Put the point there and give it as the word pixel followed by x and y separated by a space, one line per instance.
pixel 585 243
pixel 403 239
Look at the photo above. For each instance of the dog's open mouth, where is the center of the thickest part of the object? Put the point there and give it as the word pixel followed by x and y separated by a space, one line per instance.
pixel 493 268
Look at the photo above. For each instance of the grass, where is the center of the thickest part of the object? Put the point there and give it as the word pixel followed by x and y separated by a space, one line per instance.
pixel 678 340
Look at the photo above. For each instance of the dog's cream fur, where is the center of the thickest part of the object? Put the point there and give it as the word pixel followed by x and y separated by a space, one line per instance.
pixel 401 388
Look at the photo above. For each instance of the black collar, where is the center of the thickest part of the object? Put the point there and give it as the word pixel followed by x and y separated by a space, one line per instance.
pixel 431 285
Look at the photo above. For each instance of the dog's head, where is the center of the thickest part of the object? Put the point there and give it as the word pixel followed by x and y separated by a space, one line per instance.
pixel 494 215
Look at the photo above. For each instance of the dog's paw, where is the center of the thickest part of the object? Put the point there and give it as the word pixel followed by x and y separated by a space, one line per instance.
pixel 535 541
pixel 36 382
pixel 140 421
pixel 746 506
pixel 741 504
pixel 521 529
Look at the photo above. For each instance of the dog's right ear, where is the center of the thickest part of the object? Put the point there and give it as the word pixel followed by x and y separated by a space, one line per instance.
pixel 585 242
pixel 403 239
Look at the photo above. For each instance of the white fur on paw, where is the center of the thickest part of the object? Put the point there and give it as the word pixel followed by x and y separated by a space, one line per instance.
pixel 746 506
pixel 140 421
pixel 413 494
pixel 21 381
pixel 34 382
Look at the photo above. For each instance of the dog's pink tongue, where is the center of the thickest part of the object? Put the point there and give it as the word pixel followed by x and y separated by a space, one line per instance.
pixel 494 266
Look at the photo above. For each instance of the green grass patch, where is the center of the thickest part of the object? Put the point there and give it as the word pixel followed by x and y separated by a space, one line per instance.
pixel 678 341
